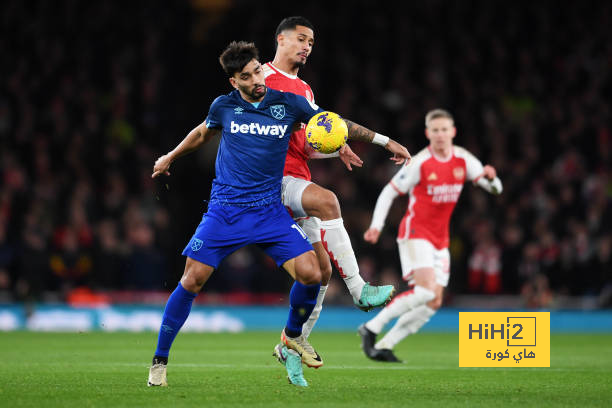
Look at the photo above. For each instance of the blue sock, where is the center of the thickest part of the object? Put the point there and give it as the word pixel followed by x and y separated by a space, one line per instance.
pixel 175 314
pixel 302 299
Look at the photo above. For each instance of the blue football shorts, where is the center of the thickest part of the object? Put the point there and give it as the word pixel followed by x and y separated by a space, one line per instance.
pixel 225 229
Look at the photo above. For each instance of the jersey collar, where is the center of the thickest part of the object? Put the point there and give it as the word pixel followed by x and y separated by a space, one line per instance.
pixel 262 104
pixel 440 158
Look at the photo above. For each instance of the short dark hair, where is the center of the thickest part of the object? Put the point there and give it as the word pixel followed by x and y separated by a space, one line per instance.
pixel 237 55
pixel 290 23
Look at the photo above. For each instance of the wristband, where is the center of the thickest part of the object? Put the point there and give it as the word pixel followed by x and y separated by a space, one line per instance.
pixel 380 139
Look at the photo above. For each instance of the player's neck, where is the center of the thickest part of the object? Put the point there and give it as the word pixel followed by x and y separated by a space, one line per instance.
pixel 442 153
pixel 285 65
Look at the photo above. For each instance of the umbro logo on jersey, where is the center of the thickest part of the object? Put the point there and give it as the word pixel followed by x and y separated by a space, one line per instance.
pixel 238 110
pixel 432 176
pixel 259 129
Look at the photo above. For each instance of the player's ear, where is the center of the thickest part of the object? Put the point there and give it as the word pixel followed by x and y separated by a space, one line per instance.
pixel 454 132
pixel 233 82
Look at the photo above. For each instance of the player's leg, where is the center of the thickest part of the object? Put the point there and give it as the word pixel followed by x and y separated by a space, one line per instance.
pixel 319 202
pixel 417 258
pixel 176 312
pixel 287 357
pixel 282 239
pixel 302 299
pixel 411 321
pixel 422 292
pixel 203 252
pixel 292 190
pixel 311 227
pixel 405 302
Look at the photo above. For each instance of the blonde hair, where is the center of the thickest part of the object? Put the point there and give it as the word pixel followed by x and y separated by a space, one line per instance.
pixel 437 113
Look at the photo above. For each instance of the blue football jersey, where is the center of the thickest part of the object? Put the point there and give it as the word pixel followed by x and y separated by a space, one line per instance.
pixel 254 143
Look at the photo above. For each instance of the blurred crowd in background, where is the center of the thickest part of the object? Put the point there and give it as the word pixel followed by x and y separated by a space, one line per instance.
pixel 91 93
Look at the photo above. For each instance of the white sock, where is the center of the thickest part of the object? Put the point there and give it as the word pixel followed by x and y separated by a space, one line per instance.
pixel 337 243
pixel 314 316
pixel 408 323
pixel 401 304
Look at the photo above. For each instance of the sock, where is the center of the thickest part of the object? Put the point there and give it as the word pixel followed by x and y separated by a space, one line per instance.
pixel 314 316
pixel 175 314
pixel 408 323
pixel 401 304
pixel 337 243
pixel 302 299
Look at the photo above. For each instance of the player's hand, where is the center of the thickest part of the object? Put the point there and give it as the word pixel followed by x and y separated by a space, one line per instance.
pixel 489 172
pixel 349 157
pixel 400 153
pixel 162 166
pixel 371 235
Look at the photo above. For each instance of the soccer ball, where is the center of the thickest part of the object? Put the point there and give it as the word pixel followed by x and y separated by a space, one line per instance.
pixel 326 132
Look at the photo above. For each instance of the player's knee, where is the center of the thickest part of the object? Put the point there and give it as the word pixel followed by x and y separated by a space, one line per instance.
pixel 308 272
pixel 194 276
pixel 329 206
pixel 313 276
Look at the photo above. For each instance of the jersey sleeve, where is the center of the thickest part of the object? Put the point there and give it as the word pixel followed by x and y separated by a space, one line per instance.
pixel 475 171
pixel 406 178
pixel 304 109
pixel 473 166
pixel 213 119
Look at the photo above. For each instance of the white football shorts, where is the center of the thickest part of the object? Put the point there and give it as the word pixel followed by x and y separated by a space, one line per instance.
pixel 291 193
pixel 420 253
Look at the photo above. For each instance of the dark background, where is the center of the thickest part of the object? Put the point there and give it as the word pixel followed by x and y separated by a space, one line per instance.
pixel 91 93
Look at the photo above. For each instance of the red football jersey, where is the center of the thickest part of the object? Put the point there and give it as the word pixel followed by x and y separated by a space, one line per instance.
pixel 434 186
pixel 298 153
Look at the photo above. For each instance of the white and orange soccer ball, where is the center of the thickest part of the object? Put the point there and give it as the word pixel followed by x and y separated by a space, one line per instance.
pixel 326 132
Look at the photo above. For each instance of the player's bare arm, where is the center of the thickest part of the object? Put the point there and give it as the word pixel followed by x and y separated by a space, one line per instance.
pixel 196 138
pixel 361 133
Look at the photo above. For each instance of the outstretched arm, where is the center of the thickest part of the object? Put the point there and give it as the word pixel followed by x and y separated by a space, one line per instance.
pixel 383 204
pixel 358 132
pixel 196 138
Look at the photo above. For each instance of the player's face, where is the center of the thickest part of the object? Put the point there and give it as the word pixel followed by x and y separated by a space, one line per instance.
pixel 296 45
pixel 250 82
pixel 440 133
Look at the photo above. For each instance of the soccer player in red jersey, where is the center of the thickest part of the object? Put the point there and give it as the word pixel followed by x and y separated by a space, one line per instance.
pixel 315 208
pixel 434 181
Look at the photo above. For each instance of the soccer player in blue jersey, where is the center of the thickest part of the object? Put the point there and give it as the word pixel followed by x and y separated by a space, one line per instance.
pixel 245 201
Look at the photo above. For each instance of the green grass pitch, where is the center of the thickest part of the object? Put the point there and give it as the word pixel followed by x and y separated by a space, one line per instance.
pixel 221 370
